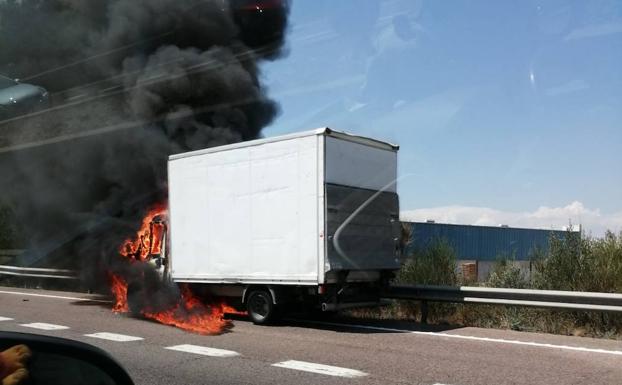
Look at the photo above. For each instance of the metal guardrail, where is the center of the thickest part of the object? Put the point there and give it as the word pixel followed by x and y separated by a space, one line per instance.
pixel 37 272
pixel 574 300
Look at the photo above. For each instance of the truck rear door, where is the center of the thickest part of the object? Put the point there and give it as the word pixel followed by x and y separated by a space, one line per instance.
pixel 362 205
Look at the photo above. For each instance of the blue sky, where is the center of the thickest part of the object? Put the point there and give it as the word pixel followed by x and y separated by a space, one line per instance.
pixel 508 110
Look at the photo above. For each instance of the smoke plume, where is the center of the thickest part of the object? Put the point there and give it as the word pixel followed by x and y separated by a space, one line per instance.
pixel 130 82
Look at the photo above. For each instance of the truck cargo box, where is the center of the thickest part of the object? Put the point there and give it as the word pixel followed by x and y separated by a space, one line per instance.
pixel 297 209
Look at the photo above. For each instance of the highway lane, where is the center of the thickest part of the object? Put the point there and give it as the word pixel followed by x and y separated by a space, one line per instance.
pixel 365 354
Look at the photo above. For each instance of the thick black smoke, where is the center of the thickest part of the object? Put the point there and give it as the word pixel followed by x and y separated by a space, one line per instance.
pixel 131 81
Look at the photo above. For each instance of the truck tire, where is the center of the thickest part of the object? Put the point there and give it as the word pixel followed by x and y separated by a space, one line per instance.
pixel 260 307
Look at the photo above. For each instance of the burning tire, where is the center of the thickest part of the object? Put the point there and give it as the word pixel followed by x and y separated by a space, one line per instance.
pixel 260 307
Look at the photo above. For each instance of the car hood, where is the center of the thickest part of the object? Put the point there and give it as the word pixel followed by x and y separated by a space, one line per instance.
pixel 18 92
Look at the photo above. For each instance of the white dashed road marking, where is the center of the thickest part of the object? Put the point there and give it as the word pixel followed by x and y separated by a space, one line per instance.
pixel 320 369
pixel 44 326
pixel 114 337
pixel 5 318
pixel 203 350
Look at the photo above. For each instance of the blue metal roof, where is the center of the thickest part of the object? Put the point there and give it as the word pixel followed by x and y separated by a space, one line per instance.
pixel 482 243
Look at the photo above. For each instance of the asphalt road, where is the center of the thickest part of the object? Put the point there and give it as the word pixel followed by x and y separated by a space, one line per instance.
pixel 293 352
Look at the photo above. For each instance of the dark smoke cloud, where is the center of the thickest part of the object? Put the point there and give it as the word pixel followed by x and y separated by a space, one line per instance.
pixel 160 77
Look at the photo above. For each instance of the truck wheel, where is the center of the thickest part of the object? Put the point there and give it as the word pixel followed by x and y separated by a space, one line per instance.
pixel 260 307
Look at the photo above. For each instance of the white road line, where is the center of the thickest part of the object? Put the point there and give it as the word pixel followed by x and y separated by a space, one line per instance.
pixel 5 318
pixel 44 326
pixel 114 337
pixel 203 350
pixel 54 296
pixel 473 338
pixel 320 369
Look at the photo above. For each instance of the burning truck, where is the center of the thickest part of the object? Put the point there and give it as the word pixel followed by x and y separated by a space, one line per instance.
pixel 308 219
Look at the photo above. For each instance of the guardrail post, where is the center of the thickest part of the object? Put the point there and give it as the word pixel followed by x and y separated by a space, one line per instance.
pixel 424 312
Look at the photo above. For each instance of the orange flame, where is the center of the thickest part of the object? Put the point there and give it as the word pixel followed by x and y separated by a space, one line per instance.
pixel 189 313
pixel 118 286
pixel 230 310
pixel 192 315
pixel 148 238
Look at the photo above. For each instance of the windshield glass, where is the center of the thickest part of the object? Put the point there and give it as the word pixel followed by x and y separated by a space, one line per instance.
pixel 212 165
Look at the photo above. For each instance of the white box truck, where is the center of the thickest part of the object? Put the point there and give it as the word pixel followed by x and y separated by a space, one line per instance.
pixel 309 218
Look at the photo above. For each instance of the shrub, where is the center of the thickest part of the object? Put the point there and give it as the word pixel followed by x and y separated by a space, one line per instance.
pixel 581 263
pixel 573 262
pixel 505 273
pixel 434 265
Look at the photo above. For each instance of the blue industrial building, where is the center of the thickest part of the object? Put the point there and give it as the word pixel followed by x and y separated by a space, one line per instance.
pixel 482 243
